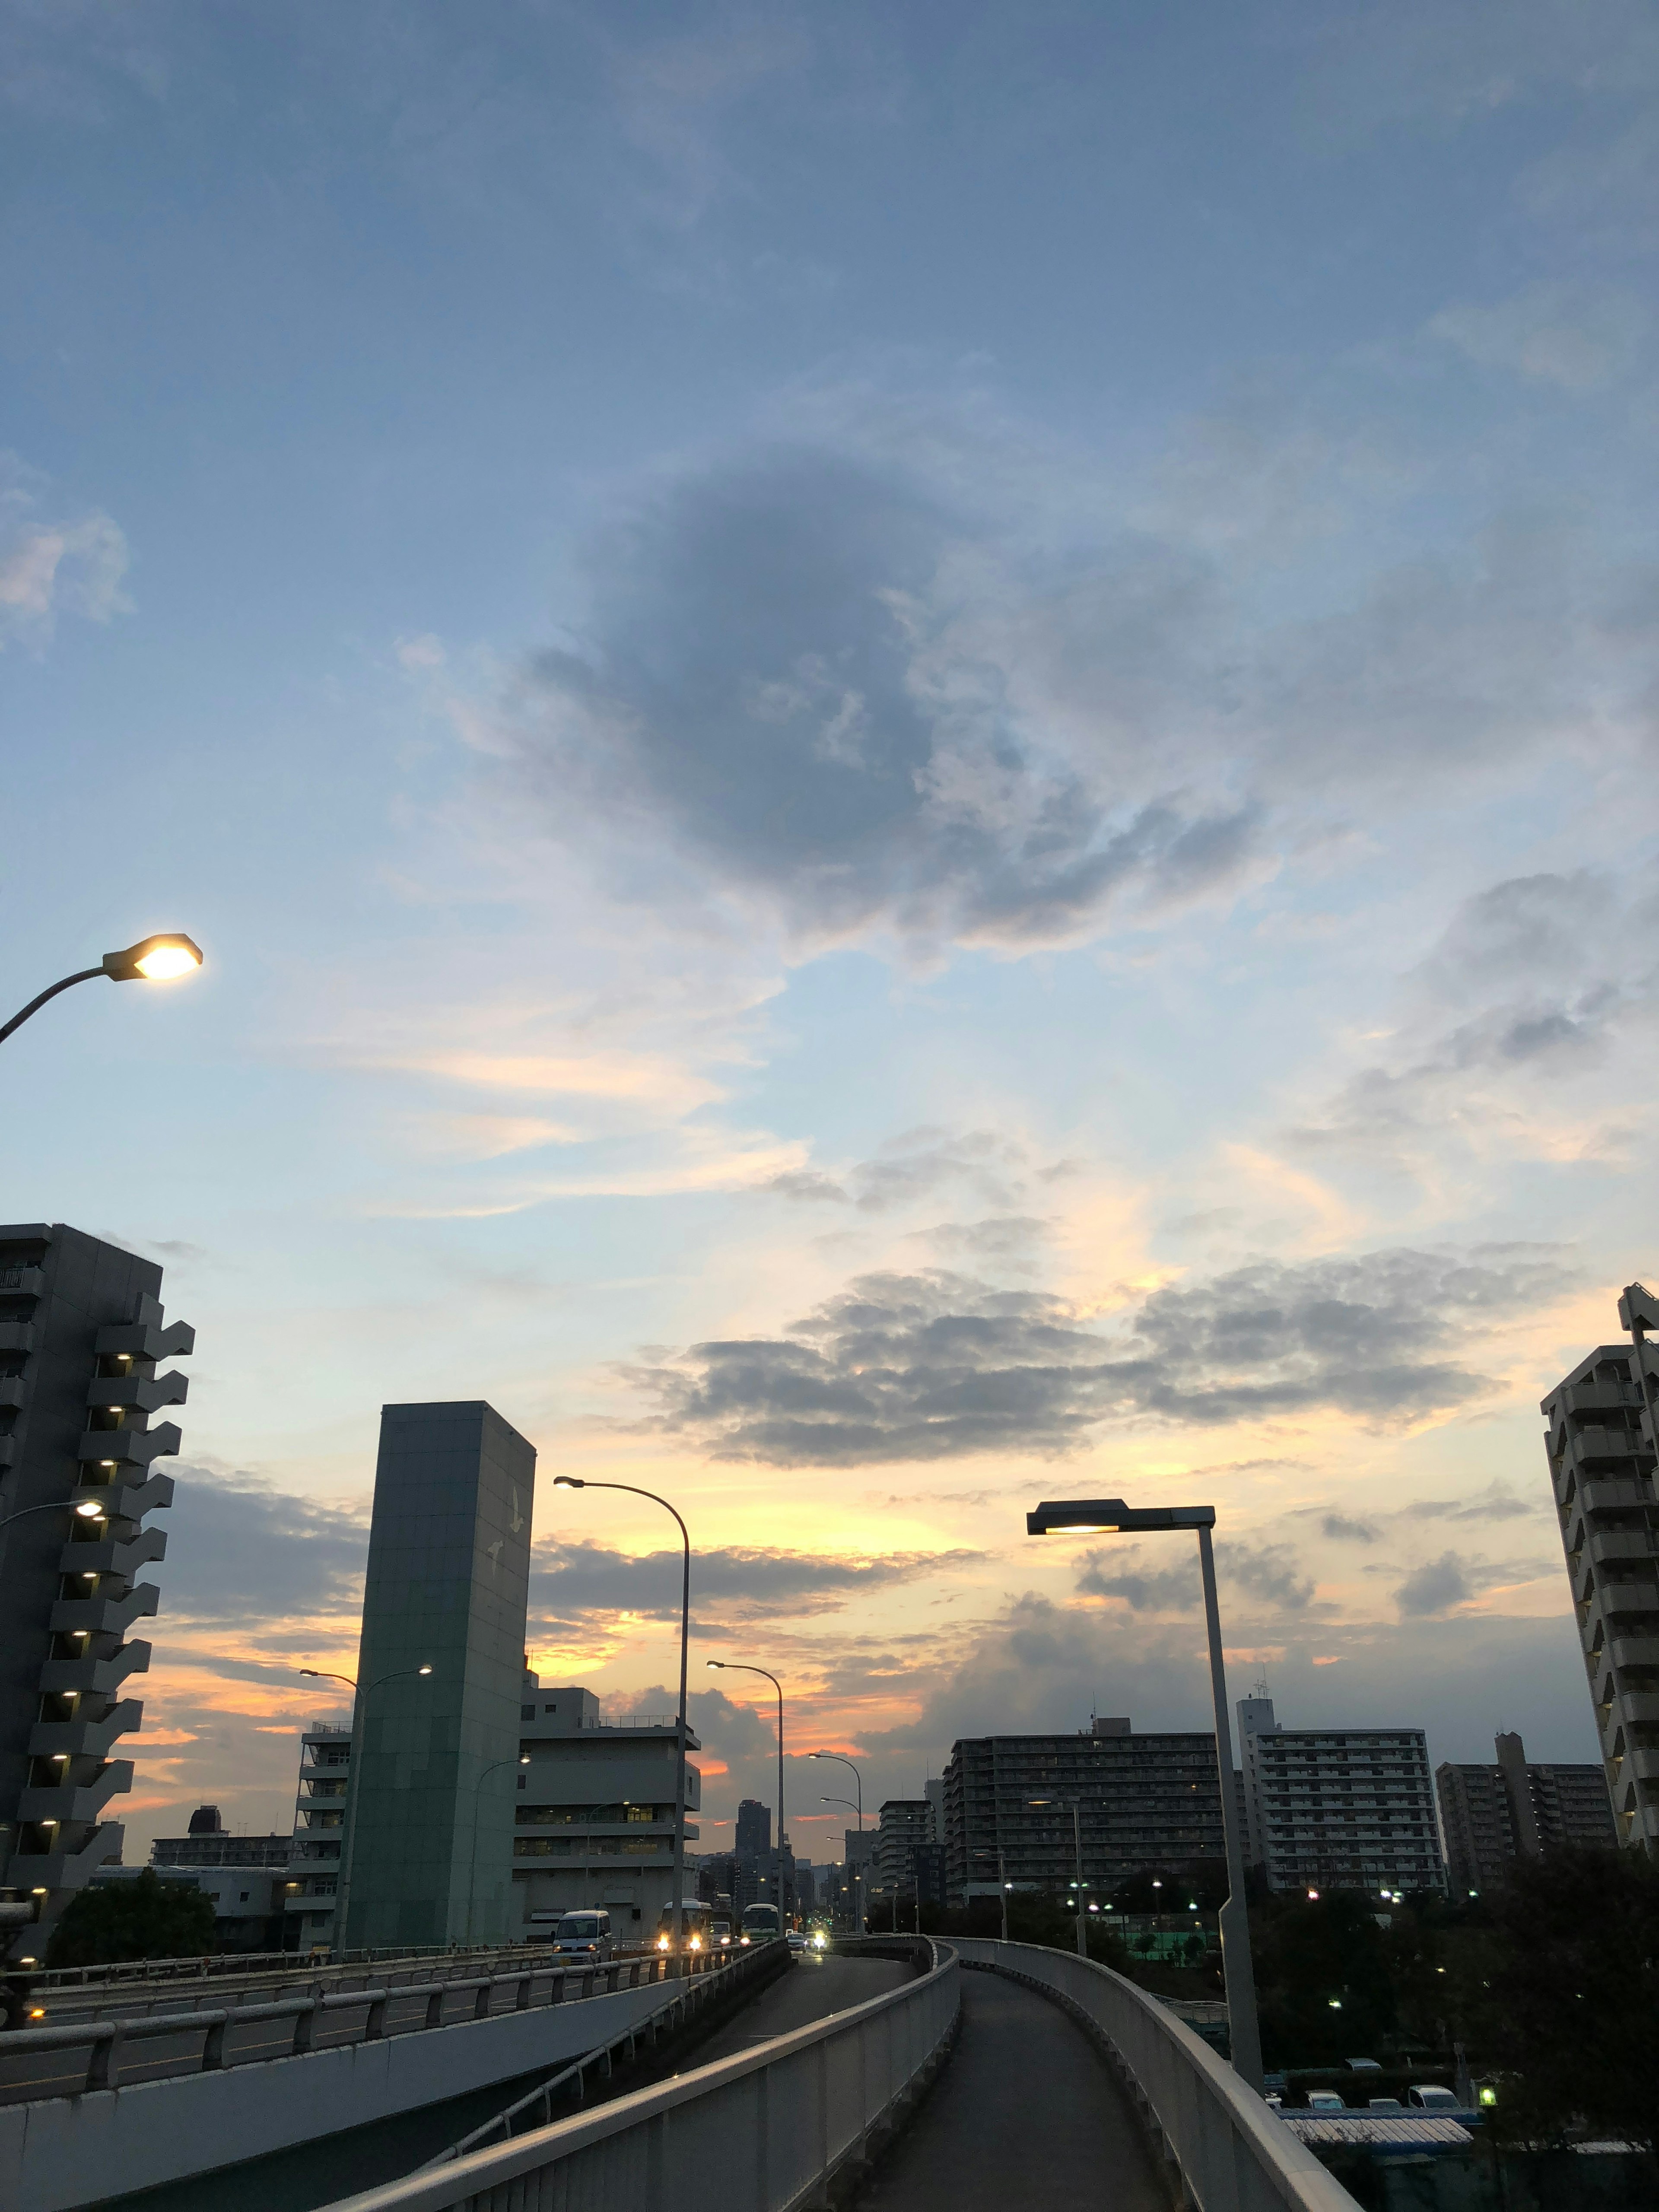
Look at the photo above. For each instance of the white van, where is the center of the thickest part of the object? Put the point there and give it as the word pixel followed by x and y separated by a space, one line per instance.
pixel 1430 2097
pixel 584 1937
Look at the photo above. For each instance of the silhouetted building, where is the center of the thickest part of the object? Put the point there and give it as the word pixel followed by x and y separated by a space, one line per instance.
pixel 754 1835
pixel 82 1337
pixel 1494 1815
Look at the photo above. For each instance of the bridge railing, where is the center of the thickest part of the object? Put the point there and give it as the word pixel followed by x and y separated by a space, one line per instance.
pixel 207 2043
pixel 765 2131
pixel 1231 2151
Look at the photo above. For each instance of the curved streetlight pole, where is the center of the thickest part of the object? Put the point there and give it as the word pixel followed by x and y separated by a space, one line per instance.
pixel 576 1482
pixel 518 1759
pixel 359 1711
pixel 152 960
pixel 84 1511
pixel 842 1759
pixel 743 1667
pixel 858 1871
pixel 1071 1804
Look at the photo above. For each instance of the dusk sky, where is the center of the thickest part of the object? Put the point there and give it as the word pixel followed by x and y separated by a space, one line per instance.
pixel 914 748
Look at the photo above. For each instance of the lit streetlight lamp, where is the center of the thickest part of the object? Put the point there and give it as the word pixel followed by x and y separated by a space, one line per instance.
pixel 359 1713
pixel 1070 1805
pixel 1110 1516
pixel 152 960
pixel 742 1667
pixel 577 1482
pixel 842 1759
pixel 86 1511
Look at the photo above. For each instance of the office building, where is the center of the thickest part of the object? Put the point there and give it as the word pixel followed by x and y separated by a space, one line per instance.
pixel 208 1843
pixel 1338 1808
pixel 313 1867
pixel 1146 1800
pixel 431 1793
pixel 1599 1440
pixel 83 1340
pixel 754 1836
pixel 594 1821
pixel 1491 1816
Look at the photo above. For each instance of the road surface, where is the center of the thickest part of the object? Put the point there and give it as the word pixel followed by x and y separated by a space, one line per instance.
pixel 816 1986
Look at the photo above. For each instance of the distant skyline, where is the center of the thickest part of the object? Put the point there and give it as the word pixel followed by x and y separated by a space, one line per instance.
pixel 914 748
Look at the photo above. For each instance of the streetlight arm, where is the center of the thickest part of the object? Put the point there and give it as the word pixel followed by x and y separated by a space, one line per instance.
pixel 84 976
pixel 745 1666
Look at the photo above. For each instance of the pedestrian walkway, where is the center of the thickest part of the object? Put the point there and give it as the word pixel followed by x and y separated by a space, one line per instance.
pixel 1025 2112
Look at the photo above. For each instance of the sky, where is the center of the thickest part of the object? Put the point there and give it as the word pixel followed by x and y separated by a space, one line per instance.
pixel 914 746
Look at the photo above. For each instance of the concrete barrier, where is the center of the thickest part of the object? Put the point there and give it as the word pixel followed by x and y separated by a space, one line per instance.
pixel 62 2153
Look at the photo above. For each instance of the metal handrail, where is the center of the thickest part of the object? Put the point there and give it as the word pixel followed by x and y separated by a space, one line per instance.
pixel 105 2039
pixel 1227 2147
pixel 805 2106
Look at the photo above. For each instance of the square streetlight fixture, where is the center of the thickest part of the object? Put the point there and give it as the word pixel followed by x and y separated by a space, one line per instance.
pixel 154 960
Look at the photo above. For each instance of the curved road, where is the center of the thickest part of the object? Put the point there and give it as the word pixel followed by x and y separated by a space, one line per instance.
pixel 1026 2111
pixel 815 1986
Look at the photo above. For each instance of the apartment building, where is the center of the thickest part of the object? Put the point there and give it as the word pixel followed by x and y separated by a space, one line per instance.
pixel 1600 1442
pixel 1494 1815
pixel 902 1825
pixel 313 1864
pixel 83 1342
pixel 1338 1808
pixel 1147 1800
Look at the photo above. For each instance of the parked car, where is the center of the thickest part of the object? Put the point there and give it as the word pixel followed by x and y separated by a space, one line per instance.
pixel 1386 2105
pixel 1430 2097
pixel 1325 2100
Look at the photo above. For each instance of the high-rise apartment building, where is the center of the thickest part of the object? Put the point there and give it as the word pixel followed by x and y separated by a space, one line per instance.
pixel 83 1339
pixel 1338 1808
pixel 901 1825
pixel 754 1833
pixel 314 1866
pixel 1600 1442
pixel 593 1822
pixel 1494 1815
pixel 1146 1800
pixel 429 1839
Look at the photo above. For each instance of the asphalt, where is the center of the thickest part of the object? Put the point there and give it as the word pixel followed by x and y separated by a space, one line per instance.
pixel 812 1988
pixel 1026 2111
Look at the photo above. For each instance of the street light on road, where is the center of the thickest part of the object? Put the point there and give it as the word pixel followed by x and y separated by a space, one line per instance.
pixel 1110 1516
pixel 1070 1805
pixel 743 1667
pixel 87 1510
pixel 359 1713
pixel 842 1759
pixel 152 960
pixel 520 1759
pixel 577 1482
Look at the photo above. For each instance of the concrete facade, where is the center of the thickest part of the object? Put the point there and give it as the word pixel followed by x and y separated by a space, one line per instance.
pixel 81 1339
pixel 313 1867
pixel 593 1822
pixel 1147 1800
pixel 1338 1808
pixel 1599 1441
pixel 1490 1816
pixel 447 1588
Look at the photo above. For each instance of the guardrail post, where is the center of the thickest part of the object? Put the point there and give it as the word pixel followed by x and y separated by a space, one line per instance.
pixel 305 2024
pixel 374 2026
pixel 587 1981
pixel 435 2007
pixel 521 2002
pixel 557 1995
pixel 103 2060
pixel 213 2047
pixel 480 1997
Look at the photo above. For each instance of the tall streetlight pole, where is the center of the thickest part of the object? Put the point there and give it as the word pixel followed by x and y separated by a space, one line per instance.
pixel 359 1713
pixel 152 960
pixel 1071 1804
pixel 842 1759
pixel 742 1667
pixel 1110 1516
pixel 576 1482
pixel 519 1759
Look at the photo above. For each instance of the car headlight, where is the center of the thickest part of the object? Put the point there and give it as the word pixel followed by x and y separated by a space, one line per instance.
pixel 817 1941
pixel 697 1943
pixel 662 1942
pixel 744 1940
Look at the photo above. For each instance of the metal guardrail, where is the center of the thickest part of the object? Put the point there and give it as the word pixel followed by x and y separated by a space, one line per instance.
pixel 770 2130
pixel 207 2026
pixel 217 1966
pixel 1229 2150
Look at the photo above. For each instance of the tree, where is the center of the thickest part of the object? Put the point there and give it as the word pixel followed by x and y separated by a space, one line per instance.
pixel 1570 2008
pixel 148 1918
pixel 1322 1980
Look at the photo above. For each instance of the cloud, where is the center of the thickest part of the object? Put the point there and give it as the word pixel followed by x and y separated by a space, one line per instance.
pixel 936 1365
pixel 51 566
pixel 1555 334
pixel 570 1582
pixel 1342 1528
pixel 241 1551
pixel 1269 1573
pixel 1434 1589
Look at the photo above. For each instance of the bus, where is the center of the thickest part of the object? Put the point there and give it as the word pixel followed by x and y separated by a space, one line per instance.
pixel 696 1917
pixel 760 1924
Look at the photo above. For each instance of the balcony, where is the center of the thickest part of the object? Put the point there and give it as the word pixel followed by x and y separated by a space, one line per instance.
pixel 1642 1651
pixel 83 1801
pixel 116 1450
pixel 103 1677
pixel 85 1739
pixel 1621 1543
pixel 1594 1442
pixel 143 1339
pixel 110 1557
pixel 12 1391
pixel 125 1500
pixel 16 1336
pixel 24 1282
pixel 144 1394
pixel 103 1616
pixel 1628 1602
pixel 66 1869
pixel 1610 1493
pixel 1598 1397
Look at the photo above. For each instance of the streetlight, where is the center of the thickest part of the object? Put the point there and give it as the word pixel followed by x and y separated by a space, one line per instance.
pixel 1071 1804
pixel 841 1759
pixel 742 1667
pixel 1110 1516
pixel 359 1712
pixel 152 960
pixel 87 1510
pixel 520 1759
pixel 576 1482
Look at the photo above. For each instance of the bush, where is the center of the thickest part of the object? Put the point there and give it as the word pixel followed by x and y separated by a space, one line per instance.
pixel 148 1918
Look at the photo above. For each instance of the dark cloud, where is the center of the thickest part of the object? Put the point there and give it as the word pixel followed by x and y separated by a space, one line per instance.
pixel 1268 1573
pixel 1434 1589
pixel 1342 1528
pixel 239 1550
pixel 1496 1502
pixel 934 1366
pixel 571 1581
pixel 775 672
